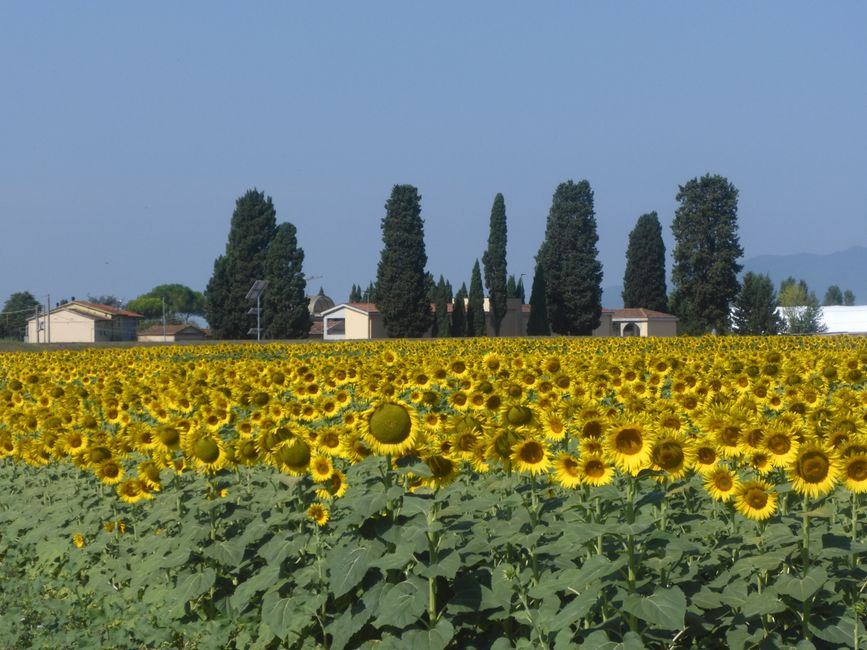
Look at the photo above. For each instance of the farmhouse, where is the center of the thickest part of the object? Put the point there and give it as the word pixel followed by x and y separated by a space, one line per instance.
pixel 80 321
pixel 172 334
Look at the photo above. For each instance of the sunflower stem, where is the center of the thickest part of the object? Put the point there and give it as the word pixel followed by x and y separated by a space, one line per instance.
pixel 433 543
pixel 805 560
pixel 630 545
pixel 599 540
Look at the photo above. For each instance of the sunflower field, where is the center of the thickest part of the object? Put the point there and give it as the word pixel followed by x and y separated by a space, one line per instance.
pixel 486 493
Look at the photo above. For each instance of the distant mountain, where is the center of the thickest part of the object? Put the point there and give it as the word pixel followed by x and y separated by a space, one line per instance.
pixel 847 269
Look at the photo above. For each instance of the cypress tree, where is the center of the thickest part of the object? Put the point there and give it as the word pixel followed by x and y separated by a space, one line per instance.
pixel 494 260
pixel 644 279
pixel 511 287
pixel 355 293
pixel 476 325
pixel 252 228
pixel 459 313
pixel 519 290
pixel 442 325
pixel 537 324
pixel 402 285
pixel 572 272
pixel 286 312
pixel 705 268
pixel 754 311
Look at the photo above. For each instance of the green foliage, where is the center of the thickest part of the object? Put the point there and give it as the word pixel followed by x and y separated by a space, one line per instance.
pixel 442 320
pixel 754 310
pixel 286 311
pixel 833 296
pixel 489 561
pixel 111 301
pixel 16 310
pixel 568 255
pixel 253 224
pixel 494 260
pixel 848 298
pixel 355 294
pixel 537 324
pixel 402 284
pixel 476 324
pixel 459 313
pixel 706 251
pixel 179 302
pixel 800 308
pixel 644 278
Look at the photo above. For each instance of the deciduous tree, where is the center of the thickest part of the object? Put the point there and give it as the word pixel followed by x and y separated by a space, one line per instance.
pixel 16 310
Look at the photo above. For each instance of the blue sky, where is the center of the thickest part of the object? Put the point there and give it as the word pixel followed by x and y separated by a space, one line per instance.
pixel 130 129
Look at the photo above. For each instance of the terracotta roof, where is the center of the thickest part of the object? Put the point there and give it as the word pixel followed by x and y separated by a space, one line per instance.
pixel 369 307
pixel 114 311
pixel 171 330
pixel 639 312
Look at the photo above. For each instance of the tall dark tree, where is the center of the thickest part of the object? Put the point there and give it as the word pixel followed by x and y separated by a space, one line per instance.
pixel 402 284
pixel 754 311
pixel 369 294
pixel 644 279
pixel 286 314
pixel 573 274
pixel 16 310
pixel 459 312
pixel 537 324
pixel 833 296
pixel 476 325
pixel 706 251
pixel 253 225
pixel 355 294
pixel 442 321
pixel 494 260
pixel 848 298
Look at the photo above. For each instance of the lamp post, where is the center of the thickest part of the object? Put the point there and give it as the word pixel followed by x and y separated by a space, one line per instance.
pixel 255 293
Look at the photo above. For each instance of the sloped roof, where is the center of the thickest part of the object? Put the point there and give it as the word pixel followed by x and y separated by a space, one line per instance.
pixel 639 313
pixel 171 330
pixel 92 310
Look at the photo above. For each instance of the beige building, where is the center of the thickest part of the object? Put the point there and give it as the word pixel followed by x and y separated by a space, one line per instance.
pixel 172 334
pixel 80 321
pixel 352 321
pixel 639 322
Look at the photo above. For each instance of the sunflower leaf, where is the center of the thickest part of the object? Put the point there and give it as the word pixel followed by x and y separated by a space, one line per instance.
pixel 347 564
pixel 436 638
pixel 403 604
pixel 802 588
pixel 664 608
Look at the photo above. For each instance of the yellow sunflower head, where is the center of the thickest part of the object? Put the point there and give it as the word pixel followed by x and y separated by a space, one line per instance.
pixel 530 455
pixel 595 470
pixel 630 445
pixel 567 471
pixel 814 470
pixel 391 428
pixel 854 472
pixel 721 483
pixel 318 514
pixel 755 499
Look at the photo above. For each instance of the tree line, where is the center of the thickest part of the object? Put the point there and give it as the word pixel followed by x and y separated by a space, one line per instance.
pixel 565 297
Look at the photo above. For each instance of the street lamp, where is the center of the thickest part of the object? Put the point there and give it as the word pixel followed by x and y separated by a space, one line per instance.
pixel 255 293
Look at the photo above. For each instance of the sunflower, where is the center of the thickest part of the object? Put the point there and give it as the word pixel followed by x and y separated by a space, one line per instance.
pixel 335 486
pixel 465 434
pixel 553 425
pixel 721 483
pixel 131 491
pixel 75 442
pixel 78 540
pixel 109 472
pixel 530 455
pixel 780 443
pixel 755 499
pixel 292 455
pixel 354 448
pixel 391 428
pixel 630 444
pixel 318 514
pixel 149 475
pixel 595 471
pixel 854 472
pixel 321 468
pixel 518 414
pixel 567 471
pixel 443 471
pixel 205 450
pixel 814 470
pixel 672 454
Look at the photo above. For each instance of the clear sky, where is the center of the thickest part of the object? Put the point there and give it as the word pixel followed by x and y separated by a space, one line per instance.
pixel 130 129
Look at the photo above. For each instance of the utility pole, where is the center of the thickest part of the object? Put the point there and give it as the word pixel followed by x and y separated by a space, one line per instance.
pixel 164 319
pixel 48 318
